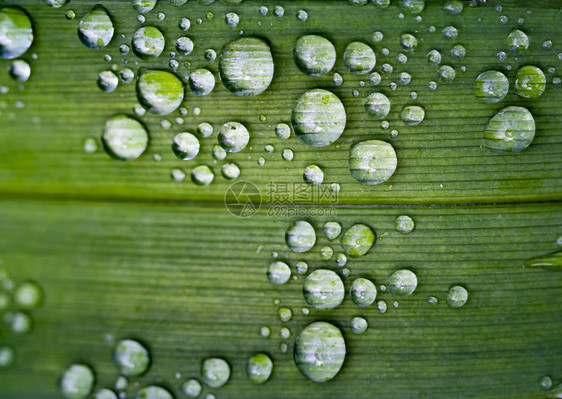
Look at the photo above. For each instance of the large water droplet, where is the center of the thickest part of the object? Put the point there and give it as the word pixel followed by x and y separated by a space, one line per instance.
pixel 16 32
pixel 323 289
pixel 372 161
pixel 491 86
pixel 246 66
pixel 95 30
pixel 233 137
pixel 124 138
pixel 148 42
pixel 314 55
pixel 320 351
pixel 160 92
pixel 153 392
pixel 363 292
pixel 318 117
pixel 457 296
pixel 511 130
pixel 359 58
pixel 358 240
pixel 300 236
pixel 131 357
pixel 77 382
pixel 215 372
pixel 530 82
pixel 259 368
pixel 402 282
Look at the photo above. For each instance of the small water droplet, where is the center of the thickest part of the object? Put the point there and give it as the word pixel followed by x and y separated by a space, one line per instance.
pixel 363 292
pixel 381 306
pixel 259 368
pixel 323 289
pixel 314 55
pixel 215 372
pixel 265 332
pixel 202 175
pixel 372 161
pixel 313 175
pixel 512 130
pixel 377 105
pixel 404 224
pixel 300 236
pixel 124 138
pixel 160 92
pixel 278 273
pixel 191 388
pixel 77 381
pixel 402 282
pixel 491 86
pixel 95 29
pixel 359 58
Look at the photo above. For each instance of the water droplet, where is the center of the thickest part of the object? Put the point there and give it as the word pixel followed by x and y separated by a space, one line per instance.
pixel 320 351
pixel 201 81
pixel 153 392
pixel 55 3
pixel 359 325
pixel 545 382
pixel 381 3
pixel 314 55
pixel 318 118
pixel 288 154
pixel 121 383
pixel 377 105
pixel 7 356
pixel 230 171
pixel 20 70
pixel 372 161
pixel 143 6
pixel 131 358
pixel 404 224
pixel 104 394
pixel 313 175
pixel 432 300
pixel 215 372
pixel 432 85
pixel 259 368
pixel 341 260
pixel 337 79
pixel 107 81
pixel 185 146
pixel 301 267
pixel 278 11
pixel 160 92
pixel 363 292
pixel 323 289
pixel 210 55
pixel 358 240
pixel 402 282
pixel 446 73
pixel 202 175
pixel 184 24
pixel 233 137
pixel 375 79
pixel 283 131
pixel 265 332
pixel 300 236
pixel 28 295
pixel 191 388
pixel 381 306
pixel 77 382
pixel 332 230
pixel 95 30
pixel 16 32
pixel 457 296
pixel 246 66
pixel 412 6
pixel 512 130
pixel 530 82
pixel 547 44
pixel 178 174
pixel 124 138
pixel 458 51
pixel 452 7
pixel 550 261
pixel 285 333
pixel 232 19
pixel 408 41
pixel 359 58
pixel 517 41
pixel 450 32
pixel 126 75
pixel 278 273
pixel 491 86
pixel 434 57
pixel 184 45
pixel 148 42
pixel 326 252
pixel 285 314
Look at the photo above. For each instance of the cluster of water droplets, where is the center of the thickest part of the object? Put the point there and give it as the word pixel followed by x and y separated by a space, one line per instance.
pixel 17 304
